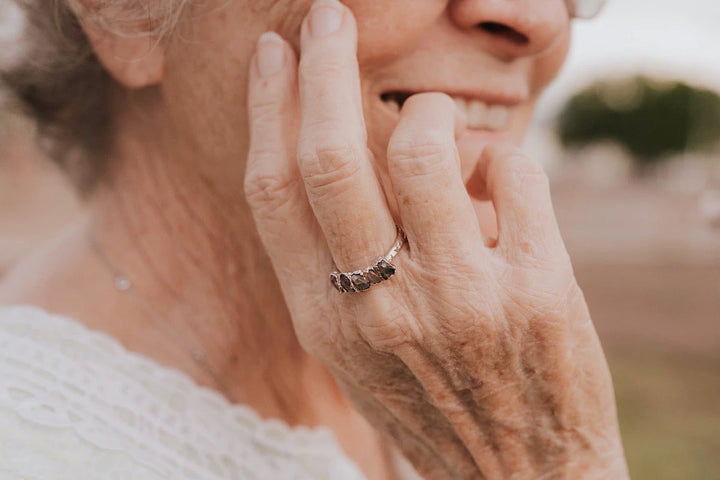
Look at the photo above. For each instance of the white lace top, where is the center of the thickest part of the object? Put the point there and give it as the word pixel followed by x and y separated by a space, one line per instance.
pixel 75 405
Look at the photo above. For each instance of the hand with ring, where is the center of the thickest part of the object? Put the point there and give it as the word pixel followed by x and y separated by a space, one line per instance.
pixel 477 356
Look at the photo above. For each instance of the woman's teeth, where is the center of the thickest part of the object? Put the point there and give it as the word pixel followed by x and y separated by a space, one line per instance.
pixel 481 116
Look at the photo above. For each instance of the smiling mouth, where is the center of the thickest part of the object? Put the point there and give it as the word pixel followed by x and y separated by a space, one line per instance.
pixel 480 115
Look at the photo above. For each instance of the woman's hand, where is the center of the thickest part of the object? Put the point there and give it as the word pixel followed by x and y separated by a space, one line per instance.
pixel 479 358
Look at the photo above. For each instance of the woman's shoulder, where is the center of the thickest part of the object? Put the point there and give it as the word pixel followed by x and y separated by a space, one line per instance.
pixel 75 401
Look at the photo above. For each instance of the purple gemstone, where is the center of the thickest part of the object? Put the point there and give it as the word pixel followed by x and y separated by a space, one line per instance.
pixel 336 282
pixel 361 283
pixel 384 268
pixel 346 282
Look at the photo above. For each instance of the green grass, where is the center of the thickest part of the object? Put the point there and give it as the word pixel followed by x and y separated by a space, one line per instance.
pixel 669 409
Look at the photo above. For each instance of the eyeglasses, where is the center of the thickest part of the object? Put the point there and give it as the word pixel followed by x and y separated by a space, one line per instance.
pixel 585 8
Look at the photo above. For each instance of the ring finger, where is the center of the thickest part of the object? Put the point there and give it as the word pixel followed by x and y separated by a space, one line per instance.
pixel 341 184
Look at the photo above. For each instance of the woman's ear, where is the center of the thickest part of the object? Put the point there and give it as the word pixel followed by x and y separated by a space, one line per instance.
pixel 135 61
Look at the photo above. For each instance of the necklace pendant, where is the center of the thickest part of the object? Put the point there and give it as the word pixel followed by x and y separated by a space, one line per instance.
pixel 199 357
pixel 122 283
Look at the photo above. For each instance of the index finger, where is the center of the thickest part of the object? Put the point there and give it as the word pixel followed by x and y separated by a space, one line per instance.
pixel 333 157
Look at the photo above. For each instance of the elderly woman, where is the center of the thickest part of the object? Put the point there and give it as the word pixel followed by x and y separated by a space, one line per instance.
pixel 308 253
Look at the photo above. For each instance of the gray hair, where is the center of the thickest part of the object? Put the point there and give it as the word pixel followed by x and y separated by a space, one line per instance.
pixel 58 81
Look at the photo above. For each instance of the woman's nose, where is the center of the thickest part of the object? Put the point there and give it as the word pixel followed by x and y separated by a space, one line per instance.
pixel 513 28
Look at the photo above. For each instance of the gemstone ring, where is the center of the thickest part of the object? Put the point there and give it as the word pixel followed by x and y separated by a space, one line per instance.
pixel 362 280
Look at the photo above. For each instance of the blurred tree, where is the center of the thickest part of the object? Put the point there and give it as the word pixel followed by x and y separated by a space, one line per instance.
pixel 652 119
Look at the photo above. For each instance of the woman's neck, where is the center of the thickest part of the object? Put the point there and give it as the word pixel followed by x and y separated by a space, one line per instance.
pixel 189 245
pixel 179 228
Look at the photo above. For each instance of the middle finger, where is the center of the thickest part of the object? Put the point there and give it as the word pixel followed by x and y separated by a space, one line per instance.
pixel 424 167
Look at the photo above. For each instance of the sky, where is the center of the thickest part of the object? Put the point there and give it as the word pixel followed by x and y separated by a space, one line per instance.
pixel 677 39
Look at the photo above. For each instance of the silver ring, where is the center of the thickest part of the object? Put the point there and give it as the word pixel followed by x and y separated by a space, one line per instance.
pixel 381 270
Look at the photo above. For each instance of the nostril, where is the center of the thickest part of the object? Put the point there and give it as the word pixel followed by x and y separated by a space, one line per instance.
pixel 500 30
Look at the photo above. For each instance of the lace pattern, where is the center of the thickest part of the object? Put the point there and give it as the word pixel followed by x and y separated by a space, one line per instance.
pixel 75 404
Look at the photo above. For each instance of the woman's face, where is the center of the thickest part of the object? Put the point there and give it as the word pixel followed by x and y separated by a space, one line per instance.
pixel 494 57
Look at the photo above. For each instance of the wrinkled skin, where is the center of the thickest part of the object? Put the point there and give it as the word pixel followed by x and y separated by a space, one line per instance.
pixel 479 357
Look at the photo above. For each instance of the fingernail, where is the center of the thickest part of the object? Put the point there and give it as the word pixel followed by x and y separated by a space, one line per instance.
pixel 270 54
pixel 326 17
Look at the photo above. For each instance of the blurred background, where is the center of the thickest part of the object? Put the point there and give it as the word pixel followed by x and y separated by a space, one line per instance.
pixel 630 136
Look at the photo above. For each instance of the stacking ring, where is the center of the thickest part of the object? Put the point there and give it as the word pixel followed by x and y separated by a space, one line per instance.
pixel 381 270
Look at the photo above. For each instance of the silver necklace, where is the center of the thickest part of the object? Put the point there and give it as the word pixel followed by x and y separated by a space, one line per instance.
pixel 124 285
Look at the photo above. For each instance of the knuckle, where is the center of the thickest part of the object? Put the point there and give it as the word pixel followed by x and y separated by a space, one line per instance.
pixel 266 192
pixel 265 112
pixel 421 155
pixel 541 303
pixel 329 163
pixel 392 334
pixel 313 68
pixel 526 171
pixel 516 174
pixel 389 329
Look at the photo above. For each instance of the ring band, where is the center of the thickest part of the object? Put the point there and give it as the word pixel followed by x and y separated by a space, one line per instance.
pixel 381 270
